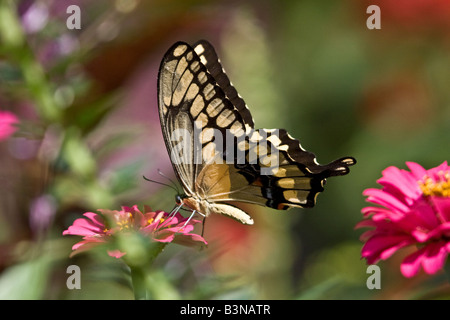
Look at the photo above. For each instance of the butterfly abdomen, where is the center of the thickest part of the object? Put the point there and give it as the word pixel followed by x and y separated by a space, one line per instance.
pixel 205 207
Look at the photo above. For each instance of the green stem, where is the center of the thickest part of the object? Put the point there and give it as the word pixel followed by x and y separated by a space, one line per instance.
pixel 138 282
pixel 142 272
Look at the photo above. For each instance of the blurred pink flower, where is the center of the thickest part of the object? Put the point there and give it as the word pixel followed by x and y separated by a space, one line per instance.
pixel 97 229
pixel 7 121
pixel 414 210
pixel 34 16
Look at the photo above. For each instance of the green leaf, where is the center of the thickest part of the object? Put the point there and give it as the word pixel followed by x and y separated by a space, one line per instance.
pixel 78 155
pixel 25 281
pixel 10 30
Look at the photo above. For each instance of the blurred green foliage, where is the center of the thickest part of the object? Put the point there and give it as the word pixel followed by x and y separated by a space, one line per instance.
pixel 89 131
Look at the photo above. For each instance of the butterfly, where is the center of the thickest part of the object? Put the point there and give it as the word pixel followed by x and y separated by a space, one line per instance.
pixel 217 154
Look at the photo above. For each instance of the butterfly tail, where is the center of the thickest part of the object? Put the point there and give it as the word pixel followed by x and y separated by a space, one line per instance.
pixel 339 167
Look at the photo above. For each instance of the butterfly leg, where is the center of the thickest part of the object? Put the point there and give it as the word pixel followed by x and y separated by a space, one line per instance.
pixel 190 217
pixel 203 225
pixel 174 211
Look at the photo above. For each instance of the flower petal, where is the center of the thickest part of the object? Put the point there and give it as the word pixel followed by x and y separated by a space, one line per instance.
pixel 95 218
pixel 85 245
pixel 7 121
pixel 166 237
pixel 190 240
pixel 417 170
pixel 377 211
pixel 411 264
pixel 385 199
pixel 434 258
pixel 441 232
pixel 366 223
pixel 138 217
pixel 442 206
pixel 424 215
pixel 367 235
pixel 383 246
pixel 116 253
pixel 84 227
pixel 401 183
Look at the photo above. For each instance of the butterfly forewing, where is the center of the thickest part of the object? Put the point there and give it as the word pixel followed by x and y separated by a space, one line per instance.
pixel 209 58
pixel 194 113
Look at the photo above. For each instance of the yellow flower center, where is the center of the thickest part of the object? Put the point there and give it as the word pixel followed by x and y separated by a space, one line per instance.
pixel 125 222
pixel 150 221
pixel 440 188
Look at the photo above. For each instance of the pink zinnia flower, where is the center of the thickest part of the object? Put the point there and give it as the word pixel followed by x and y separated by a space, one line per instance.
pixel 414 210
pixel 97 229
pixel 7 121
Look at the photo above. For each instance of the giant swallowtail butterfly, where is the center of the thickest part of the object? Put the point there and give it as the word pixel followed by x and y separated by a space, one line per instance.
pixel 217 155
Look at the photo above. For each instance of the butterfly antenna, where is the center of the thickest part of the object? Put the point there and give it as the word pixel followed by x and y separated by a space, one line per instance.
pixel 171 181
pixel 161 183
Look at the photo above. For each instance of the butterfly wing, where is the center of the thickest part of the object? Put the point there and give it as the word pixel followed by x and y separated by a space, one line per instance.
pixel 191 105
pixel 280 175
pixel 210 60
pixel 170 82
pixel 218 156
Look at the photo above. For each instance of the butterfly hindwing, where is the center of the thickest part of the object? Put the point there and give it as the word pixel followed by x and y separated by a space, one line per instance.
pixel 294 180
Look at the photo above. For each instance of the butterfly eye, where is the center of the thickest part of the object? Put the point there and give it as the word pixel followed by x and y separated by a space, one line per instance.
pixel 178 199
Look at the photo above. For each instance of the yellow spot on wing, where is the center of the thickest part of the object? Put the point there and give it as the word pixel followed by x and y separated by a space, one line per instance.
pixel 179 50
pixel 214 107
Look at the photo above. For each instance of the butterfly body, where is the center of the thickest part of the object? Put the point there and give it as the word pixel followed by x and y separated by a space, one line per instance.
pixel 216 153
pixel 200 202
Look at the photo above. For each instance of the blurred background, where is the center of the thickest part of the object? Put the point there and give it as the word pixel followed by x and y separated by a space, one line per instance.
pixel 88 130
